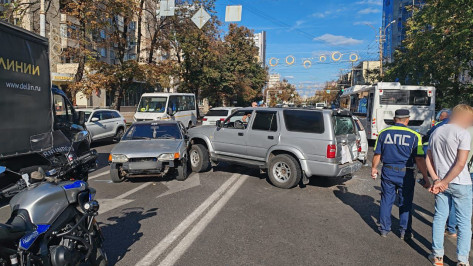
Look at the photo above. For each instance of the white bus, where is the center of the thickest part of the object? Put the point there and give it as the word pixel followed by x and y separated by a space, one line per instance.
pixel 375 105
pixel 165 106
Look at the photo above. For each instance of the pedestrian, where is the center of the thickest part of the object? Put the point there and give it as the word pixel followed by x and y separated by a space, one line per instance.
pixel 447 164
pixel 398 147
pixel 254 104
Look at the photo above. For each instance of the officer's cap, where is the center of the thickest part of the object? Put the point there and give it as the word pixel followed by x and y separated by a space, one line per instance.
pixel 402 113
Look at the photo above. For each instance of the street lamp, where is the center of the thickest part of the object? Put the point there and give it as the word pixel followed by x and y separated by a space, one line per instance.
pixel 381 40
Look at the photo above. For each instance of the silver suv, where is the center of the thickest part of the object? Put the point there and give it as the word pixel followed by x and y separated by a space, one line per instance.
pixel 291 144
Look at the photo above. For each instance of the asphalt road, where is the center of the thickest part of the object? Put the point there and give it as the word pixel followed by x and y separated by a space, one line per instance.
pixel 233 216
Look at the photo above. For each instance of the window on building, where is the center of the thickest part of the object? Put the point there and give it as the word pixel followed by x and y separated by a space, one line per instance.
pixel 103 52
pixel 102 34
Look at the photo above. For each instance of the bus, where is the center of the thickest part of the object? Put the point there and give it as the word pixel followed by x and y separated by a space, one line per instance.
pixel 167 106
pixel 375 105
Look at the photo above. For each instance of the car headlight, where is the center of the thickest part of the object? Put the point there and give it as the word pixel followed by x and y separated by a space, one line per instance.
pixel 168 156
pixel 119 158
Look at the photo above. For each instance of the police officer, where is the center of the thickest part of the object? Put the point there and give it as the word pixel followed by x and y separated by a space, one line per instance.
pixel 398 147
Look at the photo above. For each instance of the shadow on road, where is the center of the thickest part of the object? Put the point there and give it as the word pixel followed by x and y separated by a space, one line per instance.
pixel 122 232
pixel 100 143
pixel 368 208
pixel 328 181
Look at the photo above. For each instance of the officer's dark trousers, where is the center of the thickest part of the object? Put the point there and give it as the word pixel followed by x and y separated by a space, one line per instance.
pixel 398 183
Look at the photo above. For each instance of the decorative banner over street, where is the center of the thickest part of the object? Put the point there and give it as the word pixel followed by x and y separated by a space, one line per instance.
pixel 200 18
pixel 307 63
pixel 233 13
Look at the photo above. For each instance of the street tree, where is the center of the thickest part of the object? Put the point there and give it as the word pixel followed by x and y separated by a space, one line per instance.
pixel 438 51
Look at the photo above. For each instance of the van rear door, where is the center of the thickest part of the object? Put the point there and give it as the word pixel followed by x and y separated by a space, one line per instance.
pixel 346 137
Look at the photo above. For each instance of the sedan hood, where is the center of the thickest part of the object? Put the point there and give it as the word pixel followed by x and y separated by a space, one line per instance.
pixel 147 148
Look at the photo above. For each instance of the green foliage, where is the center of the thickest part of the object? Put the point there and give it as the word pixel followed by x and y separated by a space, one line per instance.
pixel 438 51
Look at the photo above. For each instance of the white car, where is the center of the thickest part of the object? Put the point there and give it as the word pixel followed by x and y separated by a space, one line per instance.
pixel 363 154
pixel 104 124
pixel 216 114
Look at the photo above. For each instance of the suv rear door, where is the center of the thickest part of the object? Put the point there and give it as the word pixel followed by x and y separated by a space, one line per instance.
pixel 263 135
pixel 346 136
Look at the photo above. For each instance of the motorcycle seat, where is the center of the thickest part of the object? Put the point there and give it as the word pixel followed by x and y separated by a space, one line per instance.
pixel 14 229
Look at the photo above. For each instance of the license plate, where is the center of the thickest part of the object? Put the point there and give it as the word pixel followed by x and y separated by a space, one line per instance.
pixel 143 165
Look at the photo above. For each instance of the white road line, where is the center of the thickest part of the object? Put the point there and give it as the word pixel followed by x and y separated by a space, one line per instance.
pixel 4 207
pixel 187 241
pixel 99 175
pixel 126 194
pixel 166 242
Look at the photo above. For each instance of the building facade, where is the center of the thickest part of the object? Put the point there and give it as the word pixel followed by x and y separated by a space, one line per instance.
pixel 260 42
pixel 400 11
pixel 62 32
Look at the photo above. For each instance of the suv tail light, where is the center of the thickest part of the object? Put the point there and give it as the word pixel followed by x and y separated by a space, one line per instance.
pixel 358 144
pixel 204 119
pixel 331 151
pixel 222 119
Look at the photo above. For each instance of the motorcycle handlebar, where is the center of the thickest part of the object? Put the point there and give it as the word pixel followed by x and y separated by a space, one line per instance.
pixel 18 186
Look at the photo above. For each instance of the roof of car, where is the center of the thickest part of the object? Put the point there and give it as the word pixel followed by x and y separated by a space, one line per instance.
pixel 224 108
pixel 93 110
pixel 340 111
pixel 162 122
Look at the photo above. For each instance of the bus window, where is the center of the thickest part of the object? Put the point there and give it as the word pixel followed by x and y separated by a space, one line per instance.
pixel 152 105
pixel 400 97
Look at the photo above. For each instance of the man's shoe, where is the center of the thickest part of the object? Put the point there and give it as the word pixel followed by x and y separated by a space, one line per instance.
pixel 405 236
pixel 463 264
pixel 436 261
pixel 382 233
pixel 450 234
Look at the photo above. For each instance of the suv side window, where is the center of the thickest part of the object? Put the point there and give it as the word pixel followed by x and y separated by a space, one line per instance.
pixel 107 115
pixel 97 115
pixel 239 120
pixel 304 121
pixel 115 114
pixel 266 121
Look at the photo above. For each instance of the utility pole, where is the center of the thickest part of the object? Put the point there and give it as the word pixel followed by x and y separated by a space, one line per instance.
pixel 42 19
pixel 381 74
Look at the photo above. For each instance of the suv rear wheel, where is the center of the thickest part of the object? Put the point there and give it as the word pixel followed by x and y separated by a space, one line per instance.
pixel 199 158
pixel 119 134
pixel 284 171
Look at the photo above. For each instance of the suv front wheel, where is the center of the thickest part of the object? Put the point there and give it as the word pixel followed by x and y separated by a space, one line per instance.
pixel 284 171
pixel 199 158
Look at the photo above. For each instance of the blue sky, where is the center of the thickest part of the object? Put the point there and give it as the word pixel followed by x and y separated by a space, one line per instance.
pixel 308 29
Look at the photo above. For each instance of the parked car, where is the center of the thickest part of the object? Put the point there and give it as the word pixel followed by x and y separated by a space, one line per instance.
pixel 104 124
pixel 217 114
pixel 291 144
pixel 320 105
pixel 150 148
pixel 363 154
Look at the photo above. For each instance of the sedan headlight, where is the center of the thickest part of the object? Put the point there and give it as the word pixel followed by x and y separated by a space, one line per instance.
pixel 168 156
pixel 119 158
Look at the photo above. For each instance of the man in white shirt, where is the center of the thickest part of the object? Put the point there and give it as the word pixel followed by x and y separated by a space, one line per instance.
pixel 446 162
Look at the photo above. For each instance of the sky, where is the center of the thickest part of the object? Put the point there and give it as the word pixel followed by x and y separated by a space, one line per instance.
pixel 309 29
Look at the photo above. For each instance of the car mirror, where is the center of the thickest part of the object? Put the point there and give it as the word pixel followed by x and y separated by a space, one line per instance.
pixel 171 112
pixel 80 136
pixel 2 169
pixel 94 119
pixel 81 118
pixel 219 123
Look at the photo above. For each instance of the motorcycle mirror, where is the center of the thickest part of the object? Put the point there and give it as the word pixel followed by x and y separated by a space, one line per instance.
pixel 3 169
pixel 80 136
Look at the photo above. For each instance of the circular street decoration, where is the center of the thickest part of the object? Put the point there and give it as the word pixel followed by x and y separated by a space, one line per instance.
pixel 307 64
pixel 336 58
pixel 322 58
pixel 290 62
pixel 353 57
pixel 271 62
pixel 257 58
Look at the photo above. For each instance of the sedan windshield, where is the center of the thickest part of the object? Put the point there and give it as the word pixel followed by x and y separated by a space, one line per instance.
pixel 153 131
pixel 153 105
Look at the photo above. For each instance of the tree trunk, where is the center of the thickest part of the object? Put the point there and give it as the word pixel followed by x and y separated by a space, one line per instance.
pixel 117 99
pixel 140 17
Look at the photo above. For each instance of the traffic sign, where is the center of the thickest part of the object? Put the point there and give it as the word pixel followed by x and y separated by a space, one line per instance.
pixel 200 18
pixel 166 8
pixel 233 13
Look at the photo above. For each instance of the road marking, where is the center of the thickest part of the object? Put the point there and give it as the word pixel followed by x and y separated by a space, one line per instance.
pixel 98 175
pixel 166 242
pixel 187 241
pixel 126 194
pixel 175 186
pixel 110 204
pixel 3 207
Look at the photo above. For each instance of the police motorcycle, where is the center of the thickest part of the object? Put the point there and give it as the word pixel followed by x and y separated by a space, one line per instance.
pixel 74 167
pixel 52 221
